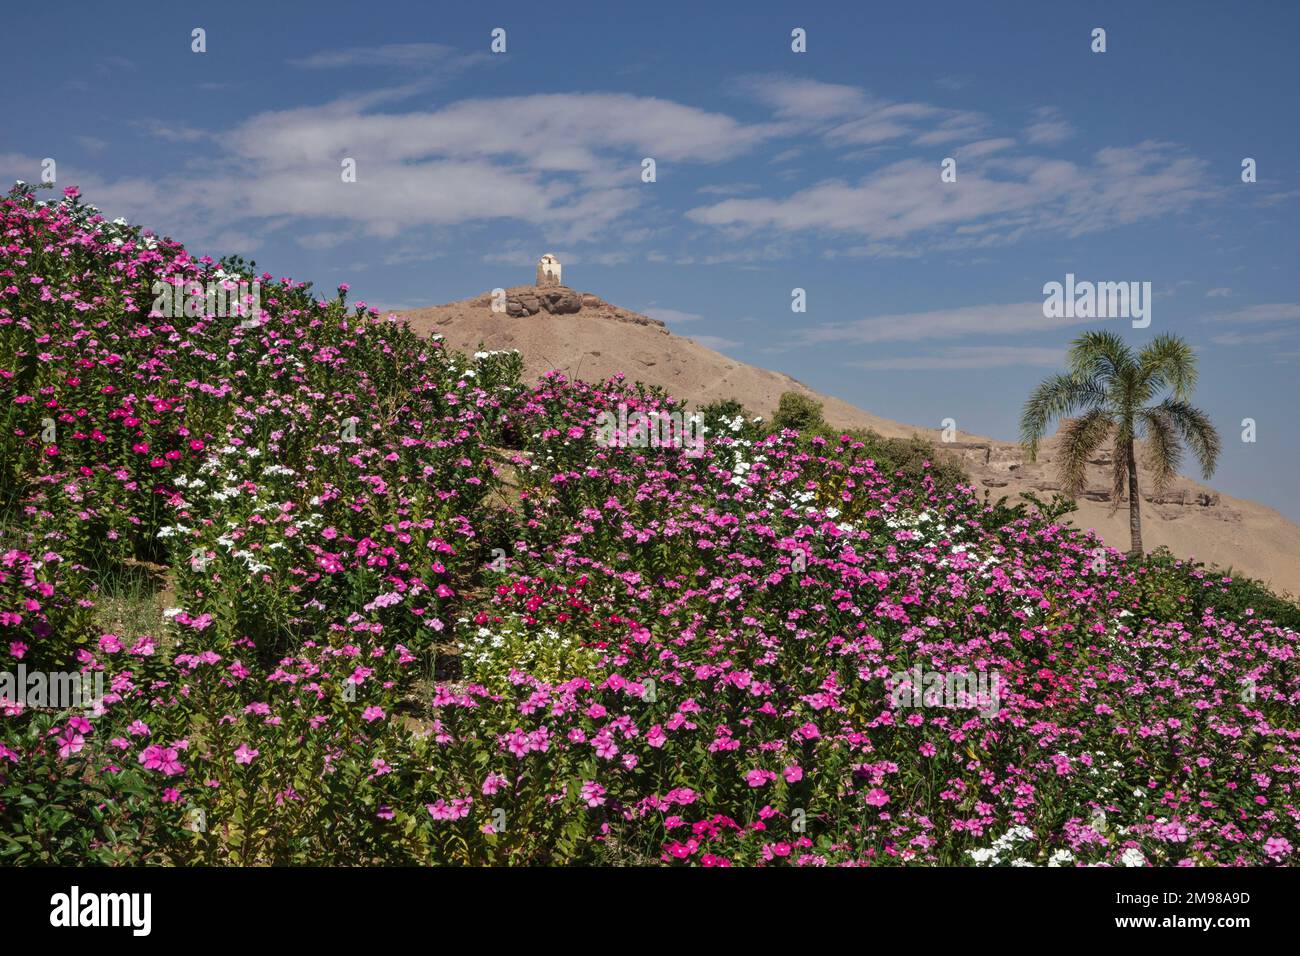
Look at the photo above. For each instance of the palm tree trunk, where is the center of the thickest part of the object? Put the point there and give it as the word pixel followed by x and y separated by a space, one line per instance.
pixel 1134 506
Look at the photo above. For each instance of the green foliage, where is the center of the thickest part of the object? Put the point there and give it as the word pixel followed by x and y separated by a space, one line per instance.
pixel 1170 584
pixel 799 412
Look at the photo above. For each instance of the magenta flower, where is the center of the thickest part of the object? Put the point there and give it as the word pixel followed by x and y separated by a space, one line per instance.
pixel 1277 847
pixel 165 760
pixel 757 777
pixel 70 742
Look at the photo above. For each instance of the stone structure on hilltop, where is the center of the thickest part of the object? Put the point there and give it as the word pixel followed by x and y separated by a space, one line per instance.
pixel 548 272
pixel 550 296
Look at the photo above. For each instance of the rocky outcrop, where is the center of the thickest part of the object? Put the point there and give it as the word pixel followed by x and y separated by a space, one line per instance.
pixel 532 300
pixel 553 300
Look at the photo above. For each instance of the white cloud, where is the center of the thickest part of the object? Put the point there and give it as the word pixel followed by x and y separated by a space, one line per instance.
pixel 397 56
pixel 172 132
pixel 92 144
pixel 322 240
pixel 1222 292
pixel 1000 200
pixel 1270 312
pixel 1253 338
pixel 968 357
pixel 1049 128
pixel 984 147
pixel 851 116
pixel 800 99
pixel 995 319
pixel 727 189
pixel 567 163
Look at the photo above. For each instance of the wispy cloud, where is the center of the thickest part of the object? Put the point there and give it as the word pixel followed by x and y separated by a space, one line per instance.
pixel 1049 128
pixel 322 240
pixel 568 163
pixel 967 357
pixel 995 319
pixel 1000 200
pixel 851 116
pixel 172 132
pixel 92 144
pixel 1269 312
pixel 408 57
pixel 1254 338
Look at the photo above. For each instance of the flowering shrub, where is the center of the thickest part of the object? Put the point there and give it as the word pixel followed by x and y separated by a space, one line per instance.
pixel 415 613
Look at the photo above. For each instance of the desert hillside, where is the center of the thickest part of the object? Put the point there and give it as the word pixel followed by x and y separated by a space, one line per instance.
pixel 587 337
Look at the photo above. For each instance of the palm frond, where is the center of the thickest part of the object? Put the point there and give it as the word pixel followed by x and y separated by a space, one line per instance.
pixel 1164 452
pixel 1167 361
pixel 1080 438
pixel 1058 396
pixel 1196 431
pixel 1100 355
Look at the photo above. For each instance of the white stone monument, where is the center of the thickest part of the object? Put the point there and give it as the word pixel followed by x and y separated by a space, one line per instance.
pixel 548 271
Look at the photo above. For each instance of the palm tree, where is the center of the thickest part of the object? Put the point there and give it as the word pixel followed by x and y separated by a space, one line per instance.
pixel 1108 394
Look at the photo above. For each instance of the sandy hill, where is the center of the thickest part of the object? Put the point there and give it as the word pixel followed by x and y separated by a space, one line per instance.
pixel 586 337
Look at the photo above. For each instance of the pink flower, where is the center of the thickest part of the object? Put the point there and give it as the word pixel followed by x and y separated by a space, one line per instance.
pixel 877 797
pixel 442 810
pixel 245 754
pixel 518 743
pixel 593 794
pixel 70 742
pixel 163 759
pixel 1277 847
pixel 792 774
pixel 372 713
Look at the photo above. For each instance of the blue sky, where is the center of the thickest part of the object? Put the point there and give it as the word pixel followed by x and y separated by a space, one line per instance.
pixel 775 170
